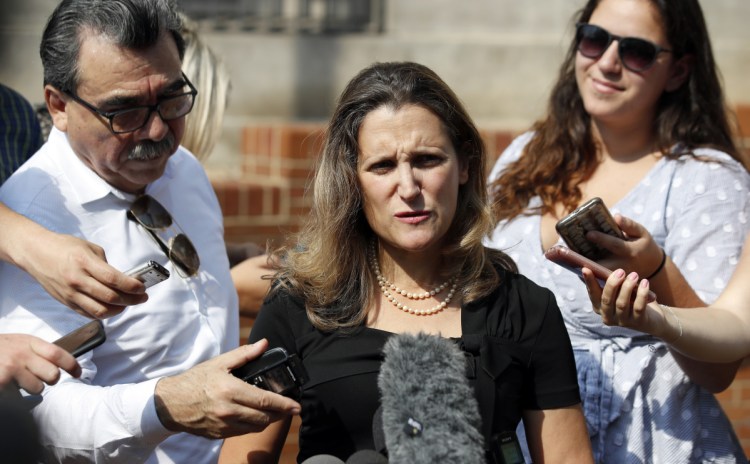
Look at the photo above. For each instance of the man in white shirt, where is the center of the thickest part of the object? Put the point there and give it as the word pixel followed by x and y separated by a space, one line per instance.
pixel 159 389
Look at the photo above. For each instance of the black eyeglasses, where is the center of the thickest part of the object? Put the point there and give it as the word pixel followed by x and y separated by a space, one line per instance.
pixel 132 119
pixel 635 54
pixel 149 213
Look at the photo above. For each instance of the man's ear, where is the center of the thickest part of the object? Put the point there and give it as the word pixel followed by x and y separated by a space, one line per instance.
pixel 681 70
pixel 57 107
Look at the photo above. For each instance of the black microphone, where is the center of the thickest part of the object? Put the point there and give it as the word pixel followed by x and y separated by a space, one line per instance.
pixel 430 413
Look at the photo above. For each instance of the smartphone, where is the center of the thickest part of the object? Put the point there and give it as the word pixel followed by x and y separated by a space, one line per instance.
pixel 592 215
pixel 83 339
pixel 150 273
pixel 276 371
pixel 574 262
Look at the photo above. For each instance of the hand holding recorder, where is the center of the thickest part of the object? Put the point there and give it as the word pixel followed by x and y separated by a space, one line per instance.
pixel 207 401
pixel 76 273
pixel 29 362
pixel 91 335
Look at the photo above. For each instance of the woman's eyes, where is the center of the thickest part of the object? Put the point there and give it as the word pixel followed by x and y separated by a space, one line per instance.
pixel 382 166
pixel 427 160
pixel 419 161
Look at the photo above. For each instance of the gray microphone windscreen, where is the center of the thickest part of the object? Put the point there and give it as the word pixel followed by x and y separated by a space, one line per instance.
pixel 323 459
pixel 430 413
pixel 367 457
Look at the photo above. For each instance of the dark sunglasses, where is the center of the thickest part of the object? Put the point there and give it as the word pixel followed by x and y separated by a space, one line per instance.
pixel 635 54
pixel 149 213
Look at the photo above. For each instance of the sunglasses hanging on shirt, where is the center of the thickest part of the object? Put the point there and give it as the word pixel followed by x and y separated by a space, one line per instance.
pixel 635 54
pixel 150 214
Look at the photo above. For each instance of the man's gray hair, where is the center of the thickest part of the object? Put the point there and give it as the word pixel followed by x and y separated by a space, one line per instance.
pixel 134 24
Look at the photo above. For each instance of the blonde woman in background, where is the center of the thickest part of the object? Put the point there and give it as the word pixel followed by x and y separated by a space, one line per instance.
pixel 203 126
pixel 210 77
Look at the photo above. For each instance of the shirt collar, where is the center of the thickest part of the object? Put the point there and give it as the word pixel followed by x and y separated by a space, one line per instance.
pixel 86 184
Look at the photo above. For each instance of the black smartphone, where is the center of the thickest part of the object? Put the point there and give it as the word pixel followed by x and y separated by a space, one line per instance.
pixel 83 339
pixel 150 273
pixel 275 371
pixel 573 262
pixel 592 215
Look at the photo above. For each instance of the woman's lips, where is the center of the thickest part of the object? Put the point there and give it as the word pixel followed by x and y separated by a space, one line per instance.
pixel 605 87
pixel 412 217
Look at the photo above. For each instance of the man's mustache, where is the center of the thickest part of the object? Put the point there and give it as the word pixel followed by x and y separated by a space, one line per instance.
pixel 149 150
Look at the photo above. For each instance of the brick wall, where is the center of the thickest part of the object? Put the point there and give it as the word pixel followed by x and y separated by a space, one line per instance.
pixel 736 403
pixel 269 201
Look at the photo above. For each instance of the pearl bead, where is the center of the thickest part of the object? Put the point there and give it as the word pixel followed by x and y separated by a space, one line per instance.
pixel 385 286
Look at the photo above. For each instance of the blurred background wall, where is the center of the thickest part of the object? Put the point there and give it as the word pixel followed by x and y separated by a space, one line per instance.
pixel 500 56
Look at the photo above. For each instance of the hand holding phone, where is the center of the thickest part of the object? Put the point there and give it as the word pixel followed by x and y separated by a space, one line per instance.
pixel 150 273
pixel 592 215
pixel 574 262
pixel 83 339
pixel 275 371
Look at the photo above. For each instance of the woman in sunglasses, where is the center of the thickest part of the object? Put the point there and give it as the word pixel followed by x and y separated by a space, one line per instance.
pixel 637 118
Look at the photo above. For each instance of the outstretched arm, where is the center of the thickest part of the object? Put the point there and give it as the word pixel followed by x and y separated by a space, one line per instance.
pixel 207 400
pixel 640 254
pixel 720 333
pixel 74 271
pixel 96 423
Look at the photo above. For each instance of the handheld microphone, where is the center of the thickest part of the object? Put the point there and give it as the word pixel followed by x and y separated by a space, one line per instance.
pixel 430 413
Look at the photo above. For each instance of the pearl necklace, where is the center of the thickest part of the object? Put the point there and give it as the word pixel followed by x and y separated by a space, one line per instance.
pixel 387 288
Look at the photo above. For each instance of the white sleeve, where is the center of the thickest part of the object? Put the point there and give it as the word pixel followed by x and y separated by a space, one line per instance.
pixel 99 424
pixel 79 421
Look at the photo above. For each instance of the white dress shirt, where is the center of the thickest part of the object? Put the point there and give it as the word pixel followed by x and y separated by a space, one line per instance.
pixel 108 414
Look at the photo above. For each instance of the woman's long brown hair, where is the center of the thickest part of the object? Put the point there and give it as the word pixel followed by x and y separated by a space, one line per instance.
pixel 562 151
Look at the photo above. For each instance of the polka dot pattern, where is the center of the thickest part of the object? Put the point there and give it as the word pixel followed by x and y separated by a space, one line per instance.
pixel 639 404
